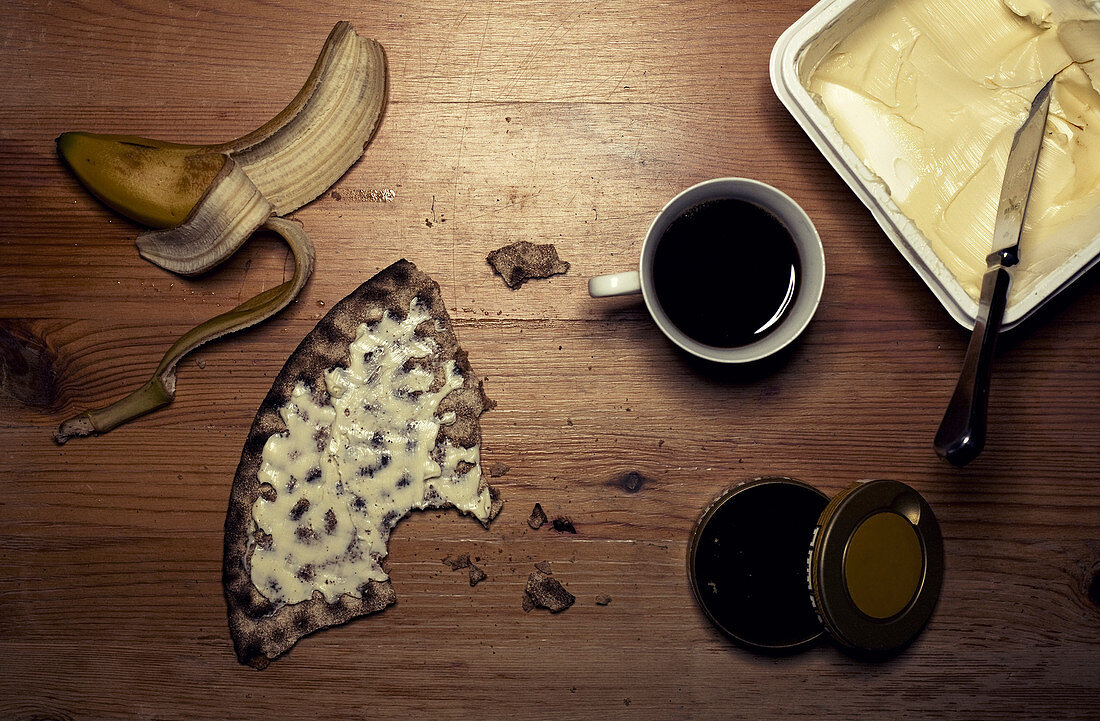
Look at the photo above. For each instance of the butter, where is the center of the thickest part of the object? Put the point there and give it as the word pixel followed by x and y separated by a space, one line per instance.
pixel 351 465
pixel 929 93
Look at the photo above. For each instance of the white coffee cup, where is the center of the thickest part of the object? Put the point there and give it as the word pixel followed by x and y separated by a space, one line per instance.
pixel 806 240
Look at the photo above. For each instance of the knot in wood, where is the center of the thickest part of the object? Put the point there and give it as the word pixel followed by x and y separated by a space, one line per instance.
pixel 632 482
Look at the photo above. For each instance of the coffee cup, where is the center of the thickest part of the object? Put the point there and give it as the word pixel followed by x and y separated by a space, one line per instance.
pixel 731 270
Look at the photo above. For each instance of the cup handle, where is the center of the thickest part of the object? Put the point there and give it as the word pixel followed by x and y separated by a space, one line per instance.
pixel 626 283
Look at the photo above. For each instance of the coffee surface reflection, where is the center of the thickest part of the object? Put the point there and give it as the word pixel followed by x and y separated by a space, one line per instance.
pixel 726 272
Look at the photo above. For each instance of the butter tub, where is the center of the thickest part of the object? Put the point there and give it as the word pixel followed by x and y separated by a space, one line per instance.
pixel 799 50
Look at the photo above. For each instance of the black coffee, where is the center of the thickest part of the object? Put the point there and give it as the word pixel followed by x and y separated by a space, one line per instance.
pixel 726 272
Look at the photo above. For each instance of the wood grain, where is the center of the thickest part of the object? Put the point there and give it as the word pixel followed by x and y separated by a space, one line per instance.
pixel 570 123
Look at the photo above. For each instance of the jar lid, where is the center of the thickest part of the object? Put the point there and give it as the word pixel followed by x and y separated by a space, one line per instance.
pixel 876 565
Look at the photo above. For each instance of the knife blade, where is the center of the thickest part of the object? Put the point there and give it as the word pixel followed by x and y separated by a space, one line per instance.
pixel 1019 177
pixel 962 432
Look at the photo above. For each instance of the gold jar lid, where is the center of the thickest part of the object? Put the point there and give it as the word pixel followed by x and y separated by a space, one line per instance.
pixel 876 566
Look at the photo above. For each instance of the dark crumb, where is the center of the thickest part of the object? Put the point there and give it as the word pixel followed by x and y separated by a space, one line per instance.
pixel 462 560
pixel 528 604
pixel 499 469
pixel 496 504
pixel 564 525
pixel 524 260
pixel 546 592
pixel 306 535
pixel 544 566
pixel 477 575
pixel 263 540
pixel 299 509
pixel 538 517
pixel 603 599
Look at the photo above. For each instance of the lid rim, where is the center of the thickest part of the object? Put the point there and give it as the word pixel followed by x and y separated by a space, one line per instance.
pixel 845 622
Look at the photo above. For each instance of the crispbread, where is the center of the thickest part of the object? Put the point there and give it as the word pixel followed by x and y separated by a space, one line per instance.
pixel 519 262
pixel 262 629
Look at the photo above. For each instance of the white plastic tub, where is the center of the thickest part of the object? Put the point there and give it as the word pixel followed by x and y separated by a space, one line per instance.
pixel 801 48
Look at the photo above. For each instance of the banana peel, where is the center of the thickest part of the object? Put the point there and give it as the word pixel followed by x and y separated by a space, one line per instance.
pixel 203 202
pixel 156 184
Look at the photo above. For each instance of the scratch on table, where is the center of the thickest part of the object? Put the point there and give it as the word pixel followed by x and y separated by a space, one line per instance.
pixel 461 145
pixel 518 200
pixel 619 84
pixel 244 278
pixel 567 24
pixel 442 48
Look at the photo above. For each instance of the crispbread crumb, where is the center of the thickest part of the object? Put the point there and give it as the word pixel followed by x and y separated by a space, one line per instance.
pixel 455 563
pixel 538 517
pixel 547 592
pixel 519 262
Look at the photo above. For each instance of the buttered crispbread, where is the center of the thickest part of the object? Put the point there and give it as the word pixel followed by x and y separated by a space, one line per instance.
pixel 374 414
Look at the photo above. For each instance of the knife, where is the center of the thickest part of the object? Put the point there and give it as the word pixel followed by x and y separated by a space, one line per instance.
pixel 962 431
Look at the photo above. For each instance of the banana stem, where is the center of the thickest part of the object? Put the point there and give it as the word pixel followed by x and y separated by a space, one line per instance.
pixel 161 388
pixel 149 397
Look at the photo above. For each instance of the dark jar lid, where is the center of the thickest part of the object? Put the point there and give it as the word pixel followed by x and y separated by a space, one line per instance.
pixel 876 566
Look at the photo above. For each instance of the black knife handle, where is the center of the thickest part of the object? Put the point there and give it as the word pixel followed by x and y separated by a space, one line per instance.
pixel 961 435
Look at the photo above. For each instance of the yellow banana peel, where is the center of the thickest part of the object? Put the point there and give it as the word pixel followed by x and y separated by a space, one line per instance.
pixel 156 184
pixel 205 201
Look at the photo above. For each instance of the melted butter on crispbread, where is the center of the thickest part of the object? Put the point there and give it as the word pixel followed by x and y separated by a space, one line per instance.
pixel 351 465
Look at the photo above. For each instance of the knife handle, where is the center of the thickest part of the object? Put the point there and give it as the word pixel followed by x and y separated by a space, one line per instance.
pixel 961 435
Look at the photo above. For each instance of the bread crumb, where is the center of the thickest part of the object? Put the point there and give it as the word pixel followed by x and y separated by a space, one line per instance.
pixel 519 262
pixel 460 561
pixel 538 517
pixel 545 591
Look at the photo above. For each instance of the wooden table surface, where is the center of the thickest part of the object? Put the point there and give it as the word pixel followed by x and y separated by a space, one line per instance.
pixel 570 123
